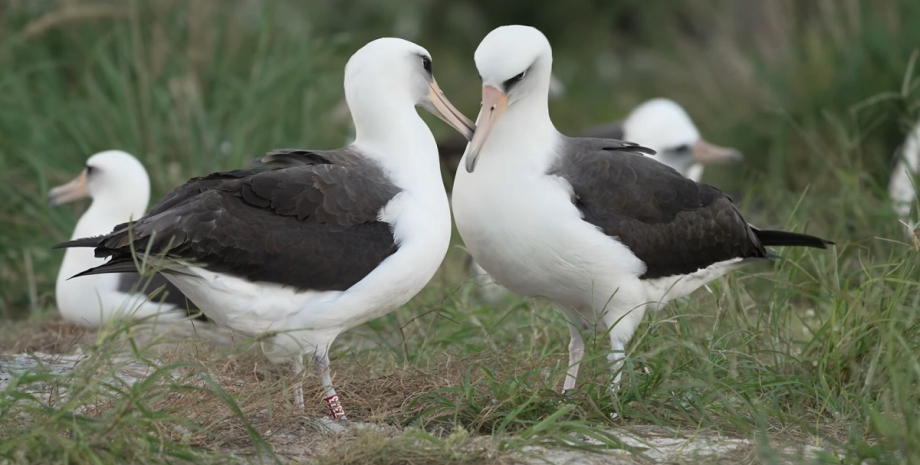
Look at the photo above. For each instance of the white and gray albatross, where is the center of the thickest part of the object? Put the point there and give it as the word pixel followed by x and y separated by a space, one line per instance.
pixel 592 224
pixel 120 190
pixel 323 241
pixel 659 124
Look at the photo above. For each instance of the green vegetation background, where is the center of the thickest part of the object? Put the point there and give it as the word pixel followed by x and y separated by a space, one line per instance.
pixel 817 94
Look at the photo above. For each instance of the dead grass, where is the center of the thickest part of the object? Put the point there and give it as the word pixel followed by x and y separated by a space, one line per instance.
pixel 403 415
pixel 49 335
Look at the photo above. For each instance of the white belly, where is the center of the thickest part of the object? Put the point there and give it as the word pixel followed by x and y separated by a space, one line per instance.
pixel 246 307
pixel 528 235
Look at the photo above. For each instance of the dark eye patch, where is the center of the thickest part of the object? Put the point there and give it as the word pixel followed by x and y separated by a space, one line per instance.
pixel 516 79
pixel 426 63
pixel 90 169
pixel 685 148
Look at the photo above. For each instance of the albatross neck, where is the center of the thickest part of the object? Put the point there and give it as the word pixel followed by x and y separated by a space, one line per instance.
pixel 108 210
pixel 392 133
pixel 524 139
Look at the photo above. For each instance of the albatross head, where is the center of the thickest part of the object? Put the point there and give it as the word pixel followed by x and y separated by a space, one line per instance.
pixel 663 125
pixel 515 64
pixel 400 71
pixel 112 175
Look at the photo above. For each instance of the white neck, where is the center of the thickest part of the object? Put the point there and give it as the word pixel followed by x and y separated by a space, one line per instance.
pixel 106 211
pixel 392 133
pixel 523 140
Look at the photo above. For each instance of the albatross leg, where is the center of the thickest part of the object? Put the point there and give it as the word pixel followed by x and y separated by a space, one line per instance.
pixel 298 387
pixel 329 395
pixel 616 357
pixel 576 352
pixel 621 326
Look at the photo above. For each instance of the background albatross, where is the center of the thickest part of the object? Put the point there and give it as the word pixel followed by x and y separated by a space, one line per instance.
pixel 120 189
pixel 303 252
pixel 592 224
pixel 902 188
pixel 665 127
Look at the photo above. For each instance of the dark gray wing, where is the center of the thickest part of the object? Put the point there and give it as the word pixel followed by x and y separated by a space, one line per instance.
pixel 671 223
pixel 612 130
pixel 308 225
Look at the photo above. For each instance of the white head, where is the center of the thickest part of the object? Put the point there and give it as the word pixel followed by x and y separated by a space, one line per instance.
pixel 663 125
pixel 392 72
pixel 112 177
pixel 515 63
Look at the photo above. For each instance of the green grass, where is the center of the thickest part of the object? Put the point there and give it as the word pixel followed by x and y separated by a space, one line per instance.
pixel 820 347
pixel 118 405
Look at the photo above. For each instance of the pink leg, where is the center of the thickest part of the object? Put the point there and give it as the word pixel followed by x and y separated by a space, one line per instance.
pixel 576 353
pixel 329 395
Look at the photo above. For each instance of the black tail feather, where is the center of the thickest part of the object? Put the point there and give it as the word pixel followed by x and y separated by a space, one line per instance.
pixel 786 238
pixel 116 265
pixel 94 241
pixel 125 264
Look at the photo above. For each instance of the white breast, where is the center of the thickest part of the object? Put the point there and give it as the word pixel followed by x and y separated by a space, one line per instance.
pixel 525 231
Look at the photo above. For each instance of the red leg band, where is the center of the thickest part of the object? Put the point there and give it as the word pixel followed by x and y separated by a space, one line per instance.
pixel 335 407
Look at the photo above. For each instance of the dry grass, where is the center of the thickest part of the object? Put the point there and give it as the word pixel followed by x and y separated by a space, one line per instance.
pixel 447 410
pixel 49 335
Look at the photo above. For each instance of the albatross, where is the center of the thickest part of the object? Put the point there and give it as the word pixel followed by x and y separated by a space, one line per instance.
pixel 592 224
pixel 664 126
pixel 324 240
pixel 902 188
pixel 659 124
pixel 120 190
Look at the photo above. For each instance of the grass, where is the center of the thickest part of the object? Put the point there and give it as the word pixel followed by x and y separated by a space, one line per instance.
pixel 819 348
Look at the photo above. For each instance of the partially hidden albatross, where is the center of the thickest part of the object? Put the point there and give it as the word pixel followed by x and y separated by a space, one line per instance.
pixel 902 188
pixel 326 240
pixel 664 126
pixel 592 224
pixel 120 190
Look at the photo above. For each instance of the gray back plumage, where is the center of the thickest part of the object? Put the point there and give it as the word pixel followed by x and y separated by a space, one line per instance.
pixel 311 223
pixel 674 225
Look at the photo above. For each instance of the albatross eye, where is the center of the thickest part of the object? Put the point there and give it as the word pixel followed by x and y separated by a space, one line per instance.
pixel 426 63
pixel 514 80
pixel 89 169
pixel 682 148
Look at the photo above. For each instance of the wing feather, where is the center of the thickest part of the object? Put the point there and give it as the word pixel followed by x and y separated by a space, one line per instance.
pixel 673 224
pixel 311 224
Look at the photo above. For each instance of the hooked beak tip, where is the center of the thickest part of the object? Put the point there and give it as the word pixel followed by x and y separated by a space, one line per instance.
pixel 471 166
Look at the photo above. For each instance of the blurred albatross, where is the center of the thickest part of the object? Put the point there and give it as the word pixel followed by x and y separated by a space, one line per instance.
pixel 665 127
pixel 902 188
pixel 120 189
pixel 592 224
pixel 300 252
